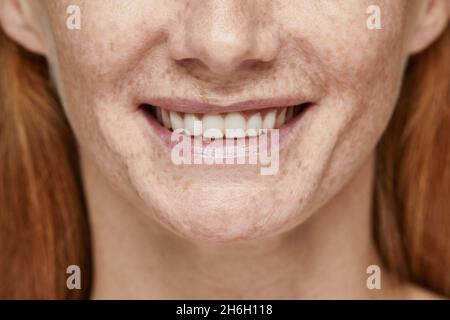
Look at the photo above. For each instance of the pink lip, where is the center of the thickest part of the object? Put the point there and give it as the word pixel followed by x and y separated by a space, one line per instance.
pixel 191 106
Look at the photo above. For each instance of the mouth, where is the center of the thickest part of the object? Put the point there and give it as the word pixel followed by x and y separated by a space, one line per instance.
pixel 238 133
pixel 240 122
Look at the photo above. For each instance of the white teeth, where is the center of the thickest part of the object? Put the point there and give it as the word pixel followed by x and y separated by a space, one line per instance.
pixel 254 124
pixel 191 124
pixel 235 125
pixel 213 126
pixel 176 120
pixel 165 118
pixel 230 125
pixel 269 120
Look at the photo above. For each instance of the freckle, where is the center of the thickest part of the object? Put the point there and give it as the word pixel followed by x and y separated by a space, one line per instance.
pixel 111 46
pixel 186 185
pixel 167 72
pixel 293 65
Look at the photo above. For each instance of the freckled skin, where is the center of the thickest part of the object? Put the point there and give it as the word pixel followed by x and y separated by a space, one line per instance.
pixel 323 50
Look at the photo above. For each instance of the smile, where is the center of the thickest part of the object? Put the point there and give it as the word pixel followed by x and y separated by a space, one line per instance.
pixel 219 123
pixel 205 130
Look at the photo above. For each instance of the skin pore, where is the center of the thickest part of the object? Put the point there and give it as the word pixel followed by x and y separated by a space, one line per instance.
pixel 165 231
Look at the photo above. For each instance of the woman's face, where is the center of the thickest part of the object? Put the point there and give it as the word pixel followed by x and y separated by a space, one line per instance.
pixel 218 56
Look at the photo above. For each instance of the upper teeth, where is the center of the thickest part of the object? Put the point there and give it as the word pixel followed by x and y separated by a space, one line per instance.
pixel 230 125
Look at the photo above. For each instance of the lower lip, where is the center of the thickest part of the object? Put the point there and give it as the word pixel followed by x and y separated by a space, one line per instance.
pixel 166 139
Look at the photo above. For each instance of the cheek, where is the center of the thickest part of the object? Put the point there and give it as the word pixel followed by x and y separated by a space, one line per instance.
pixel 93 70
pixel 362 71
pixel 351 53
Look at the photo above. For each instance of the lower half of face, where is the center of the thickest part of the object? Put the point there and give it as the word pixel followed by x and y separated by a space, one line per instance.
pixel 230 120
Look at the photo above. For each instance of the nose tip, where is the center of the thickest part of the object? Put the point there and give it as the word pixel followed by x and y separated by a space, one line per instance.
pixel 223 45
pixel 223 53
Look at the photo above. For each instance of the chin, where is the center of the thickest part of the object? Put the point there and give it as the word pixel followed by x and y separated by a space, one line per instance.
pixel 224 214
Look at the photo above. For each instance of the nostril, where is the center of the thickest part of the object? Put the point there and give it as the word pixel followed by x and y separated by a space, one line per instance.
pixel 191 64
pixel 254 64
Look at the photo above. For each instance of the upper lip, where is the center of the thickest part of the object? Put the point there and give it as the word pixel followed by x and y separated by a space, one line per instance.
pixel 192 106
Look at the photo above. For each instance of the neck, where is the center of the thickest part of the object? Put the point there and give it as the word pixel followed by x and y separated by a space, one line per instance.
pixel 324 257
